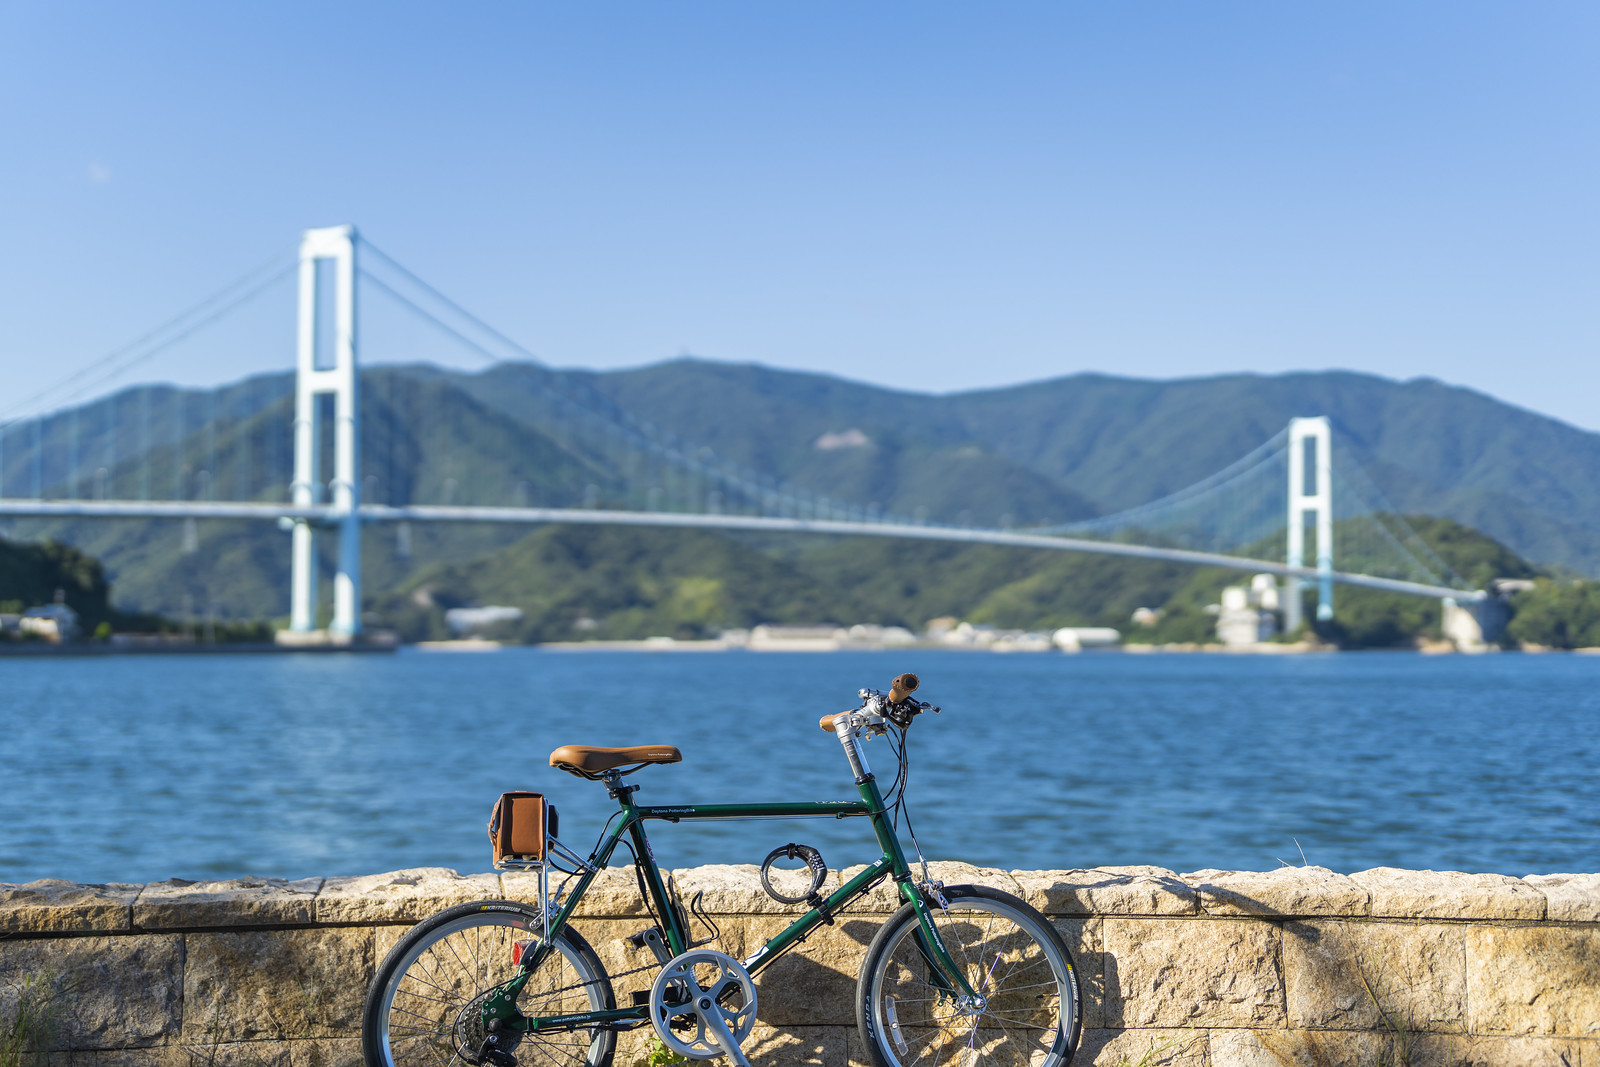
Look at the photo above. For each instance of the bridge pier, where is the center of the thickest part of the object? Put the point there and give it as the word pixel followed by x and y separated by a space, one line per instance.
pixel 1310 492
pixel 327 369
pixel 1476 624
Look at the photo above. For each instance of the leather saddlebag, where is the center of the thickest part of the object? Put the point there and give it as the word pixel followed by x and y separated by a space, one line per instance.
pixel 517 826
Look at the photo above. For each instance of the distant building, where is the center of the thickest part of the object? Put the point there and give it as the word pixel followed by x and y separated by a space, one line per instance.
pixel 1249 616
pixel 868 634
pixel 465 621
pixel 56 623
pixel 1078 638
pixel 769 638
pixel 966 634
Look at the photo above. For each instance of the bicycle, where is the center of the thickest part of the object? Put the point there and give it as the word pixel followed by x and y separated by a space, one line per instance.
pixel 958 975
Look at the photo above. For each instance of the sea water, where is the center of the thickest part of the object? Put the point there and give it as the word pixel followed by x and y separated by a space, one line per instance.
pixel 136 768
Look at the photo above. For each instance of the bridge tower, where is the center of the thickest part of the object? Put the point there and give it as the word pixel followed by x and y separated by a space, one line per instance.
pixel 327 365
pixel 1310 492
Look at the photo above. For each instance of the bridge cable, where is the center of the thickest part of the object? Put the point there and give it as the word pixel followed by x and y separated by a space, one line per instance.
pixel 1246 465
pixel 178 320
pixel 521 350
pixel 670 453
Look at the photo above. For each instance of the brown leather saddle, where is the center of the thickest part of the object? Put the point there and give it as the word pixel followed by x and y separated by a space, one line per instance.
pixel 588 761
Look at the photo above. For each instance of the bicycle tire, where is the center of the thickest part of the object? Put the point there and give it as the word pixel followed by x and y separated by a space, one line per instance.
pixel 1033 1013
pixel 415 1003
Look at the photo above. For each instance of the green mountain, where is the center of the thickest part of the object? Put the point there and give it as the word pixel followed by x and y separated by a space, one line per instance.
pixel 523 434
pixel 1530 481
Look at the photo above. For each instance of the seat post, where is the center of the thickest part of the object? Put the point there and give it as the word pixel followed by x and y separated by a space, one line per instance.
pixel 616 790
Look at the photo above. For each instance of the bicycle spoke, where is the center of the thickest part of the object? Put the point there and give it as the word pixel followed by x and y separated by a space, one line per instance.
pixel 1028 1003
pixel 452 967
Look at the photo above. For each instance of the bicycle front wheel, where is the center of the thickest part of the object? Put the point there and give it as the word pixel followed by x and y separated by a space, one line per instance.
pixel 1030 1014
pixel 422 1009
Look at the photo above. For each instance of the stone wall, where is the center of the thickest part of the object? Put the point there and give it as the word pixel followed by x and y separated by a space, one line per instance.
pixel 1298 966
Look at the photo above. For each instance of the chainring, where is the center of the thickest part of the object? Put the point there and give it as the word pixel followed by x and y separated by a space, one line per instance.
pixel 710 991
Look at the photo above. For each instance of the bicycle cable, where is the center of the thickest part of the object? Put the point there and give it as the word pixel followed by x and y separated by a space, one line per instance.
pixel 903 780
pixel 638 878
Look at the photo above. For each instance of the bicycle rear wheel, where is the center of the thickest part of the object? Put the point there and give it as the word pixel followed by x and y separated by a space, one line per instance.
pixel 422 1006
pixel 1008 953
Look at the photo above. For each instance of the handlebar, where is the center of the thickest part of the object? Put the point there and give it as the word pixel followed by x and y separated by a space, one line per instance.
pixel 897 706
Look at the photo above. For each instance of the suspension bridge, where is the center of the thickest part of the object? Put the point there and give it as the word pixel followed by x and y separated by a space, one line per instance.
pixel 1297 506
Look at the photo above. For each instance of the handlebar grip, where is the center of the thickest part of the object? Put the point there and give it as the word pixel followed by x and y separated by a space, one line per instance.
pixel 903 687
pixel 826 722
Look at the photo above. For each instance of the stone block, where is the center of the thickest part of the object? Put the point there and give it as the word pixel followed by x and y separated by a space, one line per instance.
pixel 1351 975
pixel 1148 1048
pixel 326 1052
pixel 1502 1051
pixel 767 1046
pixel 1287 891
pixel 1189 972
pixel 1569 898
pixel 223 1053
pixel 51 906
pixel 608 938
pixel 155 1056
pixel 814 983
pixel 1402 894
pixel 735 889
pixel 884 898
pixel 795 1046
pixel 1107 891
pixel 400 896
pixel 855 1053
pixel 954 872
pixel 1541 980
pixel 275 984
pixel 385 938
pixel 614 891
pixel 633 1048
pixel 1290 1048
pixel 98 992
pixel 180 905
pixel 1084 941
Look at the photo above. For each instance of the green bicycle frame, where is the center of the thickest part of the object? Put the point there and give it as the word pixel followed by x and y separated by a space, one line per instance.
pixel 892 864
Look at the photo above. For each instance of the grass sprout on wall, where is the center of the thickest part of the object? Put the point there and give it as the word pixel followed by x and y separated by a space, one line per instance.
pixel 27 1022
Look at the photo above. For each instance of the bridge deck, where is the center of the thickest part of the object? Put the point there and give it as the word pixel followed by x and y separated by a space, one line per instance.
pixel 120 509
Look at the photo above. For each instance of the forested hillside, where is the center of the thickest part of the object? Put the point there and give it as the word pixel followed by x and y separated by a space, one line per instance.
pixel 523 434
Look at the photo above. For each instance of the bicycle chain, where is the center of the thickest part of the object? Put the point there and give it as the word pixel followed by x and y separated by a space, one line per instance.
pixel 613 977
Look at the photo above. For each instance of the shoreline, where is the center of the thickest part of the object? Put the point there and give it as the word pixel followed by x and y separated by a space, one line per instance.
pixel 42 650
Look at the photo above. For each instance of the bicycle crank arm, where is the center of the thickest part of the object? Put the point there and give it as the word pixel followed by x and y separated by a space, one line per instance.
pixel 711 1018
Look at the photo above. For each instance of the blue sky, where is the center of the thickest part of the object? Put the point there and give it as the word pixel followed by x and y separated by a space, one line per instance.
pixel 927 196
